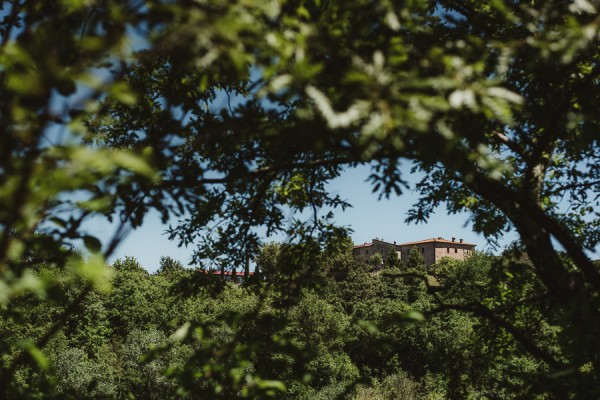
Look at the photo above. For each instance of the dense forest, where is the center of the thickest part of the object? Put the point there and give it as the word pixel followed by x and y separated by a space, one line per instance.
pixel 330 327
pixel 229 119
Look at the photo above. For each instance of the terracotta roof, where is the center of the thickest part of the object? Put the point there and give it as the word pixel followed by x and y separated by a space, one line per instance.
pixel 434 240
pixel 228 273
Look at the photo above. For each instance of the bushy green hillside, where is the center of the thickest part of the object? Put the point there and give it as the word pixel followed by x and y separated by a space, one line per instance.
pixel 325 328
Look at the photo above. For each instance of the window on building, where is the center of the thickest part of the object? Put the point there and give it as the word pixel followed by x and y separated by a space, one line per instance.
pixel 456 250
pixel 423 250
pixel 448 249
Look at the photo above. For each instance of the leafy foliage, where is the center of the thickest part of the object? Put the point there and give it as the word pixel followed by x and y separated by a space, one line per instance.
pixel 353 336
pixel 229 116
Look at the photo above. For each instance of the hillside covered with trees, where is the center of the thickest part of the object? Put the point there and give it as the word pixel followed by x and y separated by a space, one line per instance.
pixel 323 328
pixel 229 118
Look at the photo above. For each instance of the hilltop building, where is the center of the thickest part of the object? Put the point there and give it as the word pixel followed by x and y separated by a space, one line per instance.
pixel 432 250
pixel 366 250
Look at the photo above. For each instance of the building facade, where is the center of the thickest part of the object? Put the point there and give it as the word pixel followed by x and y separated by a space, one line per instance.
pixel 367 250
pixel 432 250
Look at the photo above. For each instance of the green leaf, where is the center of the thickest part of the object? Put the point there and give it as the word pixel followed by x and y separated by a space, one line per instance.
pixel 92 243
pixel 368 327
pixel 30 282
pixel 133 162
pixel 59 221
pixel 413 316
pixel 66 87
pixel 123 93
pixel 271 384
pixel 39 357
pixel 36 354
pixel 181 333
pixel 98 204
pixel 93 270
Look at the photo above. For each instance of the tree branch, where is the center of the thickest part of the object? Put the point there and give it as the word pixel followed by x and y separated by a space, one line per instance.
pixel 484 312
pixel 266 170
pixel 527 343
pixel 505 140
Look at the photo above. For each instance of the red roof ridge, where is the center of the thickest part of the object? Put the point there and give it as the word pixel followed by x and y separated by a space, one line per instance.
pixel 227 273
pixel 434 240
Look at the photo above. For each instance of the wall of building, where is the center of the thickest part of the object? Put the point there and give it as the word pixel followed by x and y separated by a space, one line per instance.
pixel 363 251
pixel 456 251
pixel 427 251
pixel 433 252
pixel 377 246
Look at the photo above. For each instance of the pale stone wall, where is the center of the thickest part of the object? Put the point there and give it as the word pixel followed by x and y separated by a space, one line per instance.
pixel 427 251
pixel 383 248
pixel 363 251
pixel 456 251
pixel 376 246
pixel 433 252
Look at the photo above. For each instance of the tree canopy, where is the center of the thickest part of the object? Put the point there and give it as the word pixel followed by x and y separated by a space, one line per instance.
pixel 228 115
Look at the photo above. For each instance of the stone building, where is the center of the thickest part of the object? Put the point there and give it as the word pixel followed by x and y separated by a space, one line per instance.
pixel 366 250
pixel 432 250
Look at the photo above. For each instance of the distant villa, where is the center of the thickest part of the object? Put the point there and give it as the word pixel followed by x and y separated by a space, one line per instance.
pixel 432 250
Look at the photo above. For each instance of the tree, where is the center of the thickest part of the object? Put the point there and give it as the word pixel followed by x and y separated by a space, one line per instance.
pixel 51 181
pixel 267 258
pixel 392 260
pixel 233 114
pixel 492 106
pixel 137 299
pixel 169 266
pixel 376 260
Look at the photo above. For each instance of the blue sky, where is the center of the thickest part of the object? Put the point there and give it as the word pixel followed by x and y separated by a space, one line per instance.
pixel 369 218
